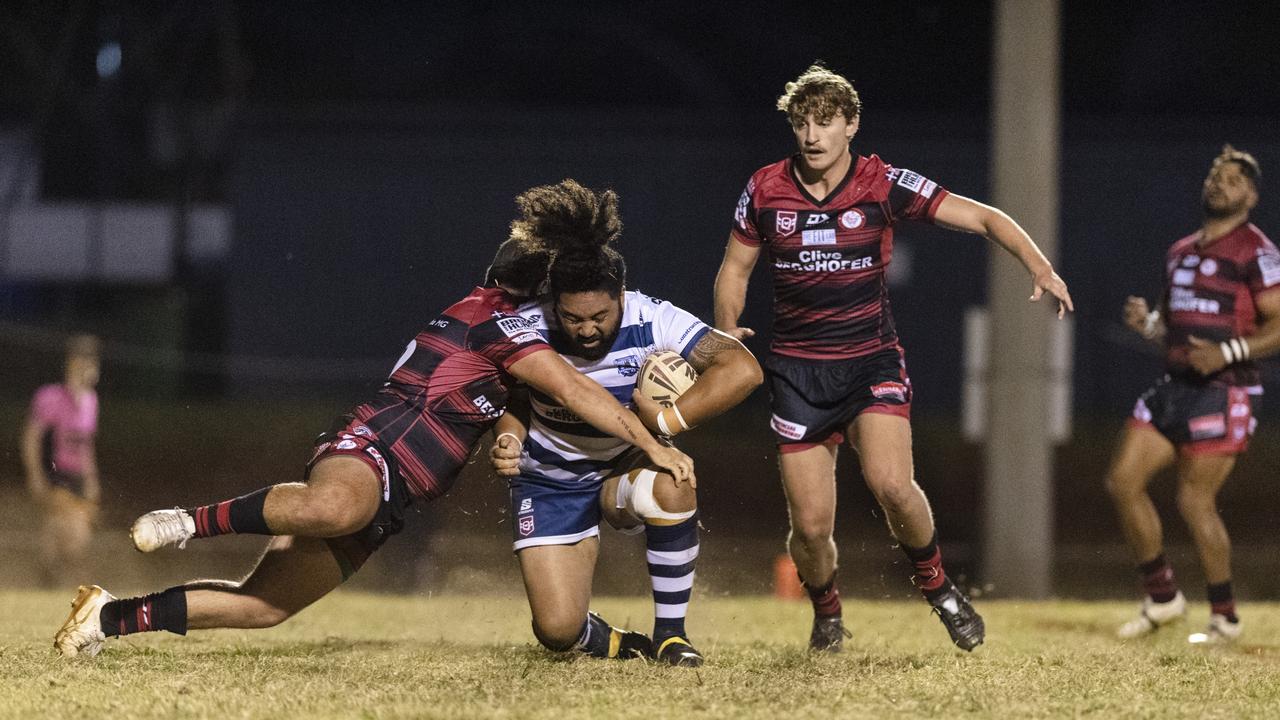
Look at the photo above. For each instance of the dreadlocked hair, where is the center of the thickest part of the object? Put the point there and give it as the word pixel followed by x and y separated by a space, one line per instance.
pixel 577 225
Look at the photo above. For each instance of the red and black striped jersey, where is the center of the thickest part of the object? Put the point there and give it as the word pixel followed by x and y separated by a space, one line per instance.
pixel 448 388
pixel 829 256
pixel 1212 291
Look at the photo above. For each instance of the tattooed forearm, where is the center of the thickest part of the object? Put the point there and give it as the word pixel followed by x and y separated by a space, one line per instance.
pixel 627 426
pixel 709 347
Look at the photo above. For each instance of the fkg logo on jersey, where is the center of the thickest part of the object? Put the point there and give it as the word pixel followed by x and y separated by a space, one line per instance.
pixel 785 222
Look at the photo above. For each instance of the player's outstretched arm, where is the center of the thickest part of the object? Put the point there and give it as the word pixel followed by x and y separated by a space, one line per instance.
pixel 957 212
pixel 727 373
pixel 550 374
pixel 1209 357
pixel 731 287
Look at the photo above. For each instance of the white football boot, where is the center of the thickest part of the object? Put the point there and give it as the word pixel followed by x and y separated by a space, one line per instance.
pixel 162 527
pixel 82 633
pixel 1153 615
pixel 1221 631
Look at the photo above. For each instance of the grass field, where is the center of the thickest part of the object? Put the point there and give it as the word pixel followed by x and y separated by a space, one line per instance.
pixel 369 656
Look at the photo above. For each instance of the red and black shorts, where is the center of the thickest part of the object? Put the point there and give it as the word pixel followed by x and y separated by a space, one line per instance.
pixel 356 440
pixel 813 401
pixel 1208 417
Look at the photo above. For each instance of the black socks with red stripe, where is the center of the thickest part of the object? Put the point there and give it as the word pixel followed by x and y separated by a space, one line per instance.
pixel 929 576
pixel 1223 601
pixel 241 515
pixel 825 598
pixel 159 611
pixel 1158 580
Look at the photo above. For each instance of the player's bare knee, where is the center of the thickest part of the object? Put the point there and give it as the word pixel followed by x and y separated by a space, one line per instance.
pixel 557 633
pixel 895 496
pixel 674 497
pixel 812 532
pixel 1194 503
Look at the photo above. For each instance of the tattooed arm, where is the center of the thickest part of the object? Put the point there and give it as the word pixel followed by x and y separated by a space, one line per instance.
pixel 727 373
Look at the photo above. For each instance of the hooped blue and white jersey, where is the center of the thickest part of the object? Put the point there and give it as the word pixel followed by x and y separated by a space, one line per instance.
pixel 561 449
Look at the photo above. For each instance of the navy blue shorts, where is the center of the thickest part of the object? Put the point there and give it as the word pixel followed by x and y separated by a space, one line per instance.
pixel 549 515
pixel 1207 418
pixel 813 401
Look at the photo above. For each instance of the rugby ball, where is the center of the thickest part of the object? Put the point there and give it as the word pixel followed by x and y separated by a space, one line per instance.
pixel 665 376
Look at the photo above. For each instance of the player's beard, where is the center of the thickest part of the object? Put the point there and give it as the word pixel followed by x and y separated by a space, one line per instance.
pixel 600 349
pixel 1222 210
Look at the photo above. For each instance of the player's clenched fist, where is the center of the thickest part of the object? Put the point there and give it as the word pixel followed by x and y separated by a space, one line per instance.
pixel 504 456
pixel 1135 313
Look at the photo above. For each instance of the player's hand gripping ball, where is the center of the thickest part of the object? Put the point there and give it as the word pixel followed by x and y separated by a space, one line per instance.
pixel 665 376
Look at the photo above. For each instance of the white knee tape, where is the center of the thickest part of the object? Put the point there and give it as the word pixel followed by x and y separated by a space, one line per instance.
pixel 635 494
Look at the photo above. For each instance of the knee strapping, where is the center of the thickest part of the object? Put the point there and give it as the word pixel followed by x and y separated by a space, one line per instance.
pixel 635 494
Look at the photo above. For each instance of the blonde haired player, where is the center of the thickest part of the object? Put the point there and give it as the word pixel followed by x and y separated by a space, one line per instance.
pixel 824 218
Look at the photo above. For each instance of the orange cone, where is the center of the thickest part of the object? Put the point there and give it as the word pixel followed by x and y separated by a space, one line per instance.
pixel 786 581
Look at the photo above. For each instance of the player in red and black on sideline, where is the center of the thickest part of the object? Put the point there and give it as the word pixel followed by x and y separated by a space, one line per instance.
pixel 407 443
pixel 1219 313
pixel 825 218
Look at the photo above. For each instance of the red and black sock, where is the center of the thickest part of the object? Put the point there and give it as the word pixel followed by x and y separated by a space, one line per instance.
pixel 239 515
pixel 929 575
pixel 1158 580
pixel 1223 601
pixel 825 598
pixel 159 611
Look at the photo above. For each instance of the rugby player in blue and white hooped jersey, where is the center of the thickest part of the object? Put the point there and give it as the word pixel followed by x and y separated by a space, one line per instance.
pixel 566 476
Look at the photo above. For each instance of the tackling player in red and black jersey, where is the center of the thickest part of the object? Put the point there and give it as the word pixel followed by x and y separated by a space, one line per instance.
pixel 408 442
pixel 1220 311
pixel 824 218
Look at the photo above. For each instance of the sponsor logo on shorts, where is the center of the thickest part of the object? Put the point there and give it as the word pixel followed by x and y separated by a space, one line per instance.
pixel 382 467
pixel 818 237
pixel 894 390
pixel 345 445
pixel 1207 426
pixel 439 322
pixel 785 222
pixel 526 526
pixel 483 405
pixel 852 219
pixel 816 219
pixel 526 506
pixel 362 431
pixel 787 429
pixel 1208 267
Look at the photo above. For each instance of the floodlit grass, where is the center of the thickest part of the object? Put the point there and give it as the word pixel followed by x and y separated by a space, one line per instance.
pixel 370 656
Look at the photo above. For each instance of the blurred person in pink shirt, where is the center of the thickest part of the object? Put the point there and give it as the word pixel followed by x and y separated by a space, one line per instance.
pixel 60 462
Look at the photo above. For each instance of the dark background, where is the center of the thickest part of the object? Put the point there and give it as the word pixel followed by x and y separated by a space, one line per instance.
pixel 369 157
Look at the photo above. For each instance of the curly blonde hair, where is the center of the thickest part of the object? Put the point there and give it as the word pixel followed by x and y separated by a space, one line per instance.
pixel 821 92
